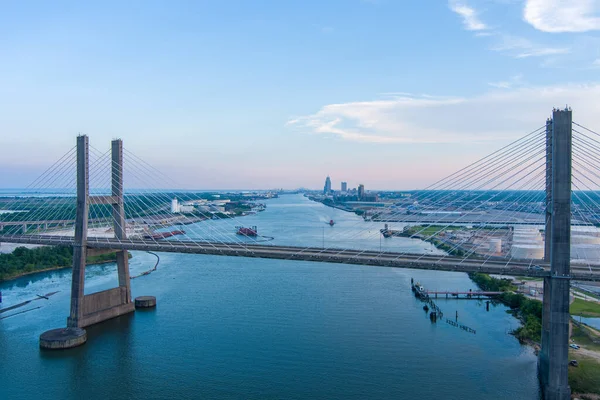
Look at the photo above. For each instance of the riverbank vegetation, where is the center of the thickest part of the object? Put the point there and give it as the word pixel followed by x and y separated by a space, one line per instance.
pixel 24 261
pixel 586 309
pixel 527 310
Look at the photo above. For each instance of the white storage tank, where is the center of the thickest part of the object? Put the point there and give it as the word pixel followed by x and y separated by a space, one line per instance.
pixel 590 252
pixel 526 251
pixel 584 239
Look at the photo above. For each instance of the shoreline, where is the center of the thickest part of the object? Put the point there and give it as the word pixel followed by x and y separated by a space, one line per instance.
pixel 20 275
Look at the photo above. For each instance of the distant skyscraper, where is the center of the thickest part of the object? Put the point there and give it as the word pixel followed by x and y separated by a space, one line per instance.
pixel 361 191
pixel 174 206
pixel 344 186
pixel 327 188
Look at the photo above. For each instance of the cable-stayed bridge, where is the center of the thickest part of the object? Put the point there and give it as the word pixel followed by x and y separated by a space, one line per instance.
pixel 549 179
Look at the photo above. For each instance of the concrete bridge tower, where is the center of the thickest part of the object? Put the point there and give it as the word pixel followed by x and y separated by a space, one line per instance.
pixel 96 307
pixel 553 358
pixel 93 308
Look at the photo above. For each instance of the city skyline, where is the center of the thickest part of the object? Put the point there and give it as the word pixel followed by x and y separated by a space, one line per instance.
pixel 393 95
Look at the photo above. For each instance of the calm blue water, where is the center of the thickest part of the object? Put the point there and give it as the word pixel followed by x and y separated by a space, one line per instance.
pixel 235 328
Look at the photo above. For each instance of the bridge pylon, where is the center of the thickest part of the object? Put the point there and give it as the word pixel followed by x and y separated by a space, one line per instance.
pixel 553 357
pixel 97 307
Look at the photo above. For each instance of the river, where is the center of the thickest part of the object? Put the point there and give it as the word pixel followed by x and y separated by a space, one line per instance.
pixel 237 328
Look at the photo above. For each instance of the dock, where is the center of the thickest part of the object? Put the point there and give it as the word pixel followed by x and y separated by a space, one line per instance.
pixel 470 295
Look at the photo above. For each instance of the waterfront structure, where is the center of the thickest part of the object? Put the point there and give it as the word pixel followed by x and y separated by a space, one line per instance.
pixel 327 187
pixel 174 206
pixel 344 186
pixel 361 192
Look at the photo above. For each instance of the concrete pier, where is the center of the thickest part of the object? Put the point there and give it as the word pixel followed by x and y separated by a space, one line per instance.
pixel 145 302
pixel 63 338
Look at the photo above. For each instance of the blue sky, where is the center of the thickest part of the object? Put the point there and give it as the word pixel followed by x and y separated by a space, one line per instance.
pixel 264 94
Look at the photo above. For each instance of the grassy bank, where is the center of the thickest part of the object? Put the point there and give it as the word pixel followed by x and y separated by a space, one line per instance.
pixel 585 377
pixel 527 310
pixel 24 261
pixel 584 336
pixel 585 308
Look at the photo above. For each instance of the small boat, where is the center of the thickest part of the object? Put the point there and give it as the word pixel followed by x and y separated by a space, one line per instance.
pixel 252 232
pixel 331 223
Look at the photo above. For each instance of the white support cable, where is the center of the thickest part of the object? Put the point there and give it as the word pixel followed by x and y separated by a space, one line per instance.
pixel 474 164
pixel 101 175
pixel 329 248
pixel 545 237
pixel 457 220
pixel 527 194
pixel 59 172
pixel 443 198
pixel 129 240
pixel 531 193
pixel 584 146
pixel 584 219
pixel 587 129
pixel 490 189
pixel 208 221
pixel 423 228
pixel 56 165
pixel 586 161
pixel 186 243
pixel 154 198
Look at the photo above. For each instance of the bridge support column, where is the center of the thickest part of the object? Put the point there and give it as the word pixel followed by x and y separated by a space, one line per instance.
pixel 118 213
pixel 97 307
pixel 554 369
pixel 81 227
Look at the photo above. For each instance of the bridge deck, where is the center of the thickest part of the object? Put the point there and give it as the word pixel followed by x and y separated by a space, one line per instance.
pixel 346 256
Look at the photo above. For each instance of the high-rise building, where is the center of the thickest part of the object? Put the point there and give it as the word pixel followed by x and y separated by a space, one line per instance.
pixel 344 186
pixel 361 191
pixel 174 206
pixel 327 188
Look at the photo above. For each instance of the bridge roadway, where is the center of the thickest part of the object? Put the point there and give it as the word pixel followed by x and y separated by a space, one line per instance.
pixel 497 266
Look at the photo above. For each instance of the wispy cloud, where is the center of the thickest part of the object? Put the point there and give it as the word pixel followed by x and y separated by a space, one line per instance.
pixel 563 15
pixel 470 18
pixel 520 47
pixel 418 119
pixel 515 80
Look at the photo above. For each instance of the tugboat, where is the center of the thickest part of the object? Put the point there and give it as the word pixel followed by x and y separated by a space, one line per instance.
pixel 331 223
pixel 251 232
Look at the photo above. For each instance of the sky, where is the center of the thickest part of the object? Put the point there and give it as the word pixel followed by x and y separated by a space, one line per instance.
pixel 258 94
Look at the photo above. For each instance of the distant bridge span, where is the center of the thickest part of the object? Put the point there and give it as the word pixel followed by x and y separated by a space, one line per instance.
pixel 496 265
